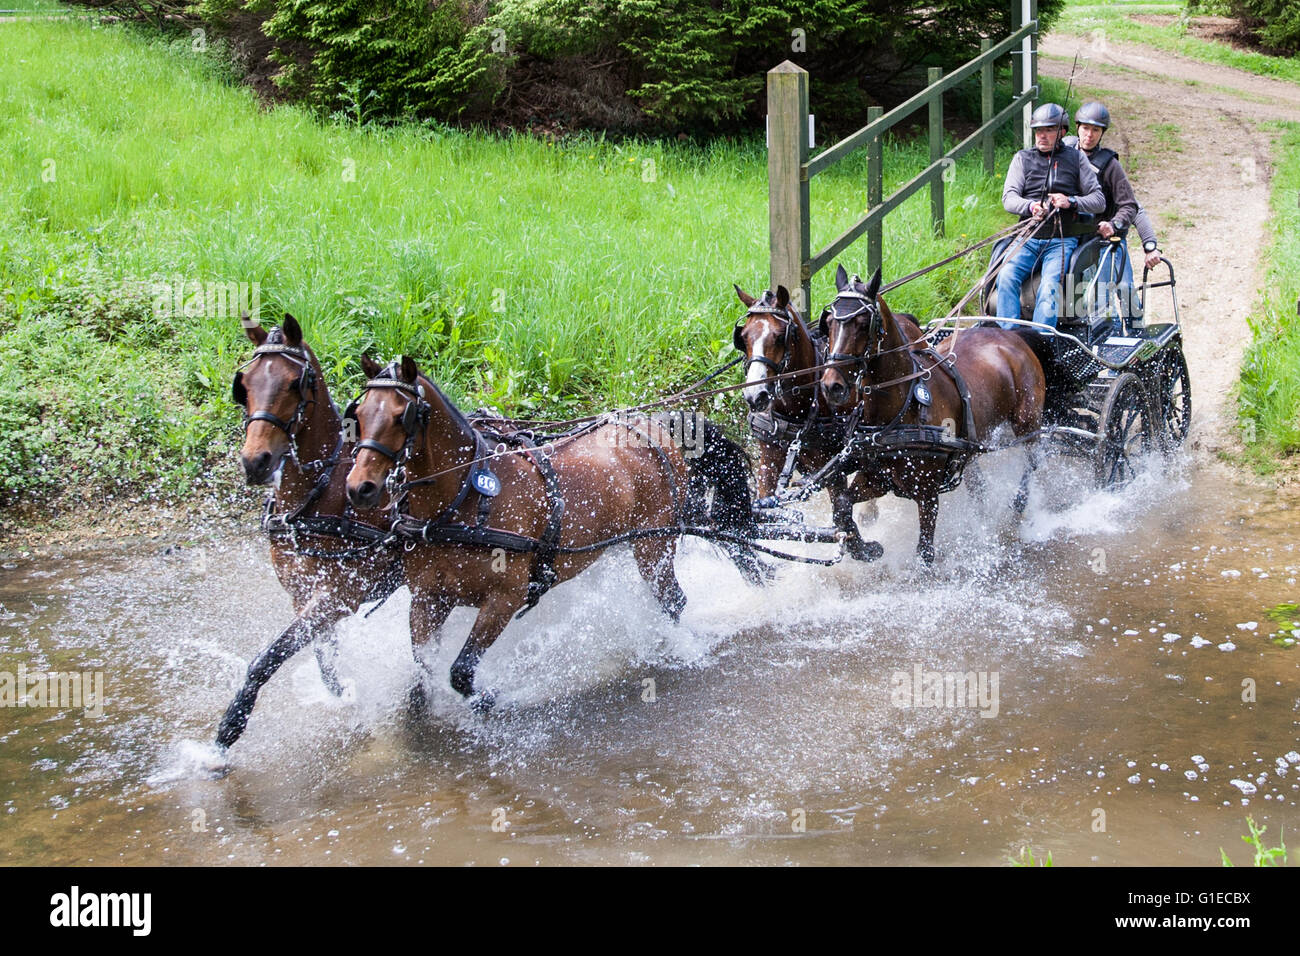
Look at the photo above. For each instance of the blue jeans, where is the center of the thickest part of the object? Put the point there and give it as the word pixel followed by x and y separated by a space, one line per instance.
pixel 1055 254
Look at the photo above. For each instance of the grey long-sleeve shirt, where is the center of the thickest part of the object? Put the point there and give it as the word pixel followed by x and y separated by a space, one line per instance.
pixel 1032 170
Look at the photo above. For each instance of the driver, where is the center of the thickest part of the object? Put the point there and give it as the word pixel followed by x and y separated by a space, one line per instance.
pixel 1122 208
pixel 1051 175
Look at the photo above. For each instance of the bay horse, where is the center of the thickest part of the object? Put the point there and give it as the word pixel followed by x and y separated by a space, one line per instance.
pixel 775 340
pixel 499 528
pixel 896 381
pixel 291 425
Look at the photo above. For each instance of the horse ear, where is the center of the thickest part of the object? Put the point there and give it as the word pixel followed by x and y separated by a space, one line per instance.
pixel 744 296
pixel 292 330
pixel 370 367
pixel 782 297
pixel 873 287
pixel 256 334
pixel 409 372
pixel 841 278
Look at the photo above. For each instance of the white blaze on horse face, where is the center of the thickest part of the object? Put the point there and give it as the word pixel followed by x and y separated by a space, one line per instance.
pixel 757 370
pixel 836 345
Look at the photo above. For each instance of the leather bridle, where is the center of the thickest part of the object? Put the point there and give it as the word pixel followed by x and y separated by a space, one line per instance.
pixel 765 306
pixel 414 417
pixel 306 385
pixel 846 307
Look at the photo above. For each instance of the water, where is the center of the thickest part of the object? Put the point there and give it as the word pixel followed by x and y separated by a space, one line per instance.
pixel 766 728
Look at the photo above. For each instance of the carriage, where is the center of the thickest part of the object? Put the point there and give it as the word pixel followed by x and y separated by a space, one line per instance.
pixel 1118 385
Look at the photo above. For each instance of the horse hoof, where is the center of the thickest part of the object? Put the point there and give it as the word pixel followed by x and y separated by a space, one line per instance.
pixel 861 550
pixel 926 554
pixel 417 701
pixel 482 704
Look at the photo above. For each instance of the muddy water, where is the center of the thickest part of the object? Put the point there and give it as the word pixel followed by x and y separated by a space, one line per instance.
pixel 768 727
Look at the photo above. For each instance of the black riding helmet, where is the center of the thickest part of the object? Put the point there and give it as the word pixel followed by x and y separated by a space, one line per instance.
pixel 1094 114
pixel 1049 114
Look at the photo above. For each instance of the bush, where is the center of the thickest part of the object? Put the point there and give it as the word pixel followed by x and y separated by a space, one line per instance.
pixel 1274 24
pixel 629 64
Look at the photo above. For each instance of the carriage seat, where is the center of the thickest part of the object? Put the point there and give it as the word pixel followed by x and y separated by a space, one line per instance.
pixel 1095 312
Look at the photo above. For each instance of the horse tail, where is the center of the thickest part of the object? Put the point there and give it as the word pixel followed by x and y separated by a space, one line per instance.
pixel 722 466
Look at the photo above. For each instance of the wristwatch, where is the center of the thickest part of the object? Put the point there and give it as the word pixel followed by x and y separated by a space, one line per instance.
pixel 1149 246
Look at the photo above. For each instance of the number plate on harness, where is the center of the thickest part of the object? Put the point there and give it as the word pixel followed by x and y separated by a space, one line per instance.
pixel 486 483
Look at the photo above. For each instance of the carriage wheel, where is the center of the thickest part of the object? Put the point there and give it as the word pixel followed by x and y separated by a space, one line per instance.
pixel 1175 397
pixel 1127 431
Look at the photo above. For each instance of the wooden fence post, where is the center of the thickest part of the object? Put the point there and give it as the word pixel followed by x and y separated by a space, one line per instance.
pixel 936 152
pixel 875 192
pixel 986 105
pixel 1033 48
pixel 787 186
pixel 1026 73
pixel 1017 73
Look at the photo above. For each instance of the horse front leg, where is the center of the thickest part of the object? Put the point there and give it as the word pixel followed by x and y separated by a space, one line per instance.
pixel 1022 493
pixel 771 459
pixel 492 619
pixel 927 506
pixel 326 648
pixel 428 613
pixel 844 496
pixel 654 559
pixel 319 611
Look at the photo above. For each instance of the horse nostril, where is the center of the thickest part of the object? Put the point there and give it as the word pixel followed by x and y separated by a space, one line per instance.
pixel 364 494
pixel 761 400
pixel 257 468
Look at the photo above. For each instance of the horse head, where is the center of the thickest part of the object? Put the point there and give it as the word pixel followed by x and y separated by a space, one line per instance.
pixel 275 389
pixel 852 327
pixel 769 336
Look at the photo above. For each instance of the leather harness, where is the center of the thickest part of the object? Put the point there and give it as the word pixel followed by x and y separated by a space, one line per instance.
pixel 445 529
pixel 864 445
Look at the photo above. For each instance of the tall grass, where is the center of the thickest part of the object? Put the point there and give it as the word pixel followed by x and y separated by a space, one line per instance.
pixel 1270 375
pixel 542 278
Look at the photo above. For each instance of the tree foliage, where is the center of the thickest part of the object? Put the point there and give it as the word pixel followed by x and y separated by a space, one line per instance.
pixel 1274 24
pixel 603 63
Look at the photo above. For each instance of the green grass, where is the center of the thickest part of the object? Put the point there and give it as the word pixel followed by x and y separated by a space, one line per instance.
pixel 1102 22
pixel 1026 858
pixel 1269 395
pixel 1264 856
pixel 547 279
pixel 24 7
pixel 1287 618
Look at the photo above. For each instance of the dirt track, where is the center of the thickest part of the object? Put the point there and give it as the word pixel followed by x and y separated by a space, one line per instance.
pixel 1190 135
